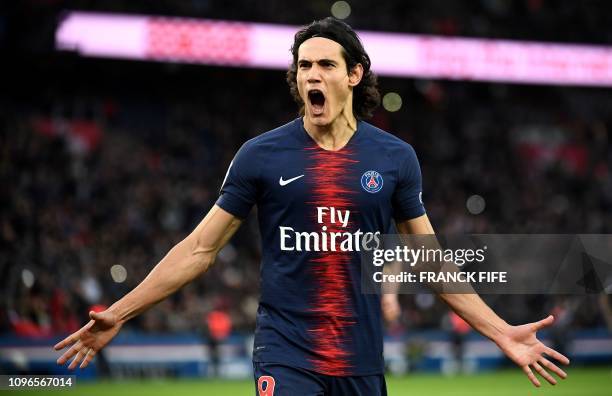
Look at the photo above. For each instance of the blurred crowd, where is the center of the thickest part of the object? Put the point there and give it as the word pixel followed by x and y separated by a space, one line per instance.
pixel 105 165
pixel 93 184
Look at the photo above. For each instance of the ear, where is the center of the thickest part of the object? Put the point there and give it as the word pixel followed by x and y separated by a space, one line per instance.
pixel 355 74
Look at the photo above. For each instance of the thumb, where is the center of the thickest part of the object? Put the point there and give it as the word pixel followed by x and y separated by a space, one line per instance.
pixel 544 322
pixel 101 316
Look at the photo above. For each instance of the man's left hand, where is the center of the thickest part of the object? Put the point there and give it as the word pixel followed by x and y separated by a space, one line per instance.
pixel 520 344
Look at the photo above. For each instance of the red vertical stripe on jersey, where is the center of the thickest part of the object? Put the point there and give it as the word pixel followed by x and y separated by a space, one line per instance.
pixel 332 301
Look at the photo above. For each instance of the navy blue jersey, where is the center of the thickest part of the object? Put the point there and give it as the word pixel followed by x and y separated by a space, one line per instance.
pixel 317 210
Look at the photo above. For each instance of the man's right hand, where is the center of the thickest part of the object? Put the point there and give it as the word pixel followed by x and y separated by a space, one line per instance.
pixel 87 341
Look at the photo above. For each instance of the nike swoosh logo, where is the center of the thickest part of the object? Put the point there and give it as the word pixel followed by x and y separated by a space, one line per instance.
pixel 285 182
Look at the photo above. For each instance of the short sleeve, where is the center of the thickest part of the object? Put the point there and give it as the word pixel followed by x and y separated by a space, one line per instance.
pixel 238 192
pixel 407 197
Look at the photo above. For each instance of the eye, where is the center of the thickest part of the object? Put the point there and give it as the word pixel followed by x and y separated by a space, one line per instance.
pixel 304 65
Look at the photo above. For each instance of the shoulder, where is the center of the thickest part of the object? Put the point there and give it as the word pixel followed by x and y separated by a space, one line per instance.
pixel 253 152
pixel 269 140
pixel 394 146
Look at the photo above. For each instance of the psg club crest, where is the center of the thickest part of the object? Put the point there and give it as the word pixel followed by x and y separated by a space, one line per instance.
pixel 372 181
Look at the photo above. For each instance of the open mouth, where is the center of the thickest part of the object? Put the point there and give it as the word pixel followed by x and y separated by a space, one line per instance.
pixel 317 101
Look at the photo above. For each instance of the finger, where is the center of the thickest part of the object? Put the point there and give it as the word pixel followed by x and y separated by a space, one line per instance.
pixel 531 376
pixel 70 353
pixel 66 341
pixel 544 323
pixel 88 358
pixel 556 355
pixel 80 355
pixel 72 338
pixel 544 373
pixel 553 367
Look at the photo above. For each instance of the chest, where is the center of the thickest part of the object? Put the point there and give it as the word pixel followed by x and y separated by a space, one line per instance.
pixel 360 180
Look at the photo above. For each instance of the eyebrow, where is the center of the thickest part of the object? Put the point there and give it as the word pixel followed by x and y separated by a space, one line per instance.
pixel 324 60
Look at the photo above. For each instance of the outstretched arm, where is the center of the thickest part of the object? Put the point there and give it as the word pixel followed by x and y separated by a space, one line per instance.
pixel 519 343
pixel 183 263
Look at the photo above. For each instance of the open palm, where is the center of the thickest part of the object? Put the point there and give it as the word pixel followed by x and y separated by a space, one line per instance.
pixel 523 348
pixel 87 341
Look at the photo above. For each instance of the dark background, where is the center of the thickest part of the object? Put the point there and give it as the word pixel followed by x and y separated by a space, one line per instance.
pixel 539 156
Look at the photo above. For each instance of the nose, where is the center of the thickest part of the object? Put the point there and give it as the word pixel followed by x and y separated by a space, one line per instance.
pixel 314 74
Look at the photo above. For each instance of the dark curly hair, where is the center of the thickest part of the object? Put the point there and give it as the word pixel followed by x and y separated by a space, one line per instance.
pixel 366 97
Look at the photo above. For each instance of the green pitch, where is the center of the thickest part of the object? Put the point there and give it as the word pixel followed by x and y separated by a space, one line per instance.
pixel 583 382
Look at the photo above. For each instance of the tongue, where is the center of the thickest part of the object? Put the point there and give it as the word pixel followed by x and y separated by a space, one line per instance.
pixel 317 108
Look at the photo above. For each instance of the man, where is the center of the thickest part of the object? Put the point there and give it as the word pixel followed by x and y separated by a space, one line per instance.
pixel 326 186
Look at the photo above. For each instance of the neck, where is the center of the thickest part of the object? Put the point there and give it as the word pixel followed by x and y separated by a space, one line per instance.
pixel 335 135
